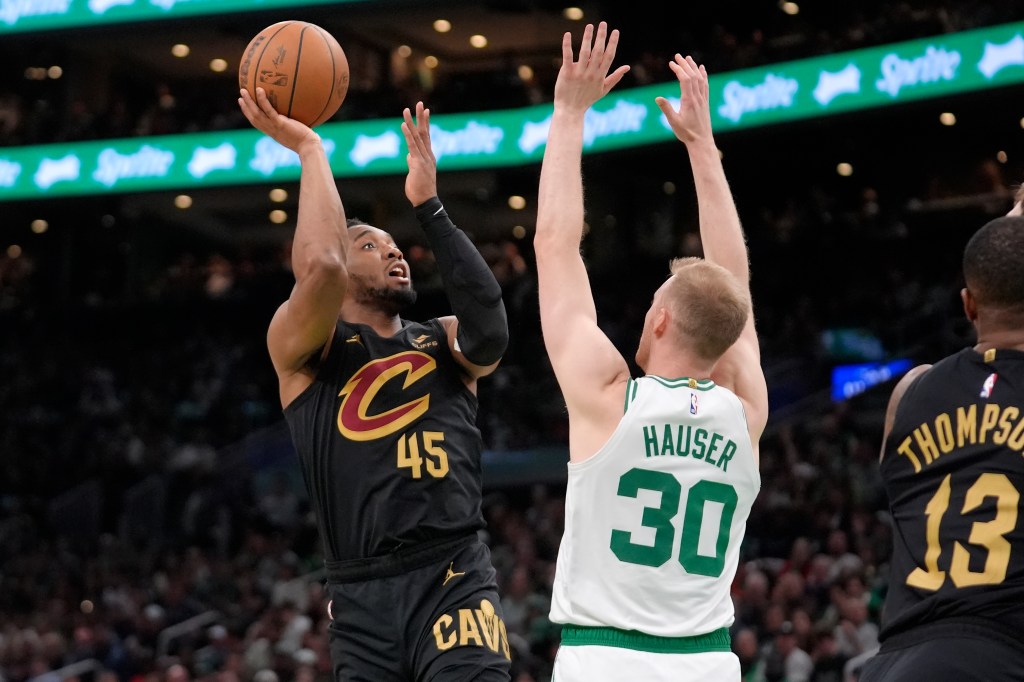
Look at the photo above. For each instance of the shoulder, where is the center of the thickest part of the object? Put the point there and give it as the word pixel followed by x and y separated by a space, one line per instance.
pixel 904 384
pixel 740 372
pixel 896 399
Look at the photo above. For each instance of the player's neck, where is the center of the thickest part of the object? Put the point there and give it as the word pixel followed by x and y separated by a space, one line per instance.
pixel 999 330
pixel 673 363
pixel 1006 340
pixel 384 323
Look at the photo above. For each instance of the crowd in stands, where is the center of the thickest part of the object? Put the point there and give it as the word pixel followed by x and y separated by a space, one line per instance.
pixel 807 595
pixel 138 102
pixel 133 499
pixel 153 523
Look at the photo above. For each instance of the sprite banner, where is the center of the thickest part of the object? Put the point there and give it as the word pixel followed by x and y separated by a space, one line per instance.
pixel 874 77
pixel 18 16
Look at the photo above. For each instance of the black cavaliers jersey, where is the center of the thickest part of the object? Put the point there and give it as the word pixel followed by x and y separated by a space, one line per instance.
pixel 954 471
pixel 387 438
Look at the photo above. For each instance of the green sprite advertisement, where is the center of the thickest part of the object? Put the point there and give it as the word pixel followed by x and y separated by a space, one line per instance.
pixel 892 74
pixel 18 16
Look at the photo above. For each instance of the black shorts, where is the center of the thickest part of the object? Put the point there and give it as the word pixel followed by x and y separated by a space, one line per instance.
pixel 428 613
pixel 953 651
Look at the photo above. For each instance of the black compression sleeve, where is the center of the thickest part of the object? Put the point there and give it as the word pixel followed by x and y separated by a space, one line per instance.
pixel 473 292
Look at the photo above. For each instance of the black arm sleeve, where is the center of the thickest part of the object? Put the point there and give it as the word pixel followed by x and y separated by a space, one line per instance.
pixel 473 292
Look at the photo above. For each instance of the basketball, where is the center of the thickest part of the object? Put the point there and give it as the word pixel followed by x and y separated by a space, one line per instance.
pixel 301 67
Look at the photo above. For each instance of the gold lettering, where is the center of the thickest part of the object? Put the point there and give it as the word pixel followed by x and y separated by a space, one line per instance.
pixel 443 642
pixel 904 449
pixel 437 458
pixel 988 420
pixel 1016 440
pixel 926 443
pixel 944 433
pixel 504 640
pixel 966 425
pixel 468 629
pixel 1005 424
pixel 489 629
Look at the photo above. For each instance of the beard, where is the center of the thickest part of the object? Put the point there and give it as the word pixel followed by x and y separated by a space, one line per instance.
pixel 387 300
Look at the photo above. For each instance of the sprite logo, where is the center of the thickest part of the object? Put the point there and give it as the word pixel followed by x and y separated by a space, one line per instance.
pixel 271 156
pixel 625 117
pixel 52 171
pixel 9 172
pixel 148 162
pixel 774 92
pixel 368 148
pixel 933 66
pixel 11 11
pixel 999 57
pixel 474 138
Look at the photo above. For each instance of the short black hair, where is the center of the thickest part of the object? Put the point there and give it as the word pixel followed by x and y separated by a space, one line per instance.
pixel 356 222
pixel 994 263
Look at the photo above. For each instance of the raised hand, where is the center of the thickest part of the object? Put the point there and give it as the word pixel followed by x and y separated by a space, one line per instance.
pixel 262 115
pixel 692 122
pixel 584 81
pixel 421 183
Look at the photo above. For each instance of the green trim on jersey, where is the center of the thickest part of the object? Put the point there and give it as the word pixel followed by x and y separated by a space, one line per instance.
pixel 631 387
pixel 580 635
pixel 685 382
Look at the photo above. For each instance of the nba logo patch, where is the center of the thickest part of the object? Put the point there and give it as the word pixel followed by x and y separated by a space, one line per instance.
pixel 990 383
pixel 693 403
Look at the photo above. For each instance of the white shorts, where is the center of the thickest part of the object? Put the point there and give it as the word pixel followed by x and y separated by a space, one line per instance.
pixel 591 663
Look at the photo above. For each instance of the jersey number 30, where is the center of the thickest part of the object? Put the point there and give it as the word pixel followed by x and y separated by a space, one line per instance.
pixel 660 519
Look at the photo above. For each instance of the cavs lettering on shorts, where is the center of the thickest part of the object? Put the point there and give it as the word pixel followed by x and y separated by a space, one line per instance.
pixel 472 627
pixel 355 420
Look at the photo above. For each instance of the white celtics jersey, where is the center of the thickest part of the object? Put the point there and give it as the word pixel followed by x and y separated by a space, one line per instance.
pixel 654 520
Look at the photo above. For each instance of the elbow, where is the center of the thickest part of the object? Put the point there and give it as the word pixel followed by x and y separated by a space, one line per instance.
pixel 324 267
pixel 549 239
pixel 542 236
pixel 484 339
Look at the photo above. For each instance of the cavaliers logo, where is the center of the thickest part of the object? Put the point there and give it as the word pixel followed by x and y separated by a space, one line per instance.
pixel 354 419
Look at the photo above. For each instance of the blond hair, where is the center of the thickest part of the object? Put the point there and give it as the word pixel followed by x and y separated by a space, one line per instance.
pixel 709 305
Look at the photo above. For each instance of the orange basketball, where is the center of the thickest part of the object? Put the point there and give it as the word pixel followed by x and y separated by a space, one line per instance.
pixel 302 68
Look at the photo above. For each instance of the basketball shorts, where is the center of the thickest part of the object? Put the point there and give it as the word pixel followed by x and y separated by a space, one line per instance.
pixel 427 613
pixel 611 655
pixel 951 651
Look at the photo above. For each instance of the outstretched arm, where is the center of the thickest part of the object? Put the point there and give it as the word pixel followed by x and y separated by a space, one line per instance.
pixel 303 326
pixel 590 371
pixel 720 232
pixel 478 331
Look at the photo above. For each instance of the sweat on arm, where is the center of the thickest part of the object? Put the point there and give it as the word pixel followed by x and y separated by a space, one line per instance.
pixel 472 290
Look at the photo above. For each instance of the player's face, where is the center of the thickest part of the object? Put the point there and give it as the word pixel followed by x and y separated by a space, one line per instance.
pixel 377 271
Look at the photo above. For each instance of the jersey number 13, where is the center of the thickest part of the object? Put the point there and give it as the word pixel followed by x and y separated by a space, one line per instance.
pixel 987 534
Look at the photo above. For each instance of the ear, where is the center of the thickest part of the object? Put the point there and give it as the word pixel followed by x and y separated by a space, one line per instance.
pixel 660 322
pixel 970 304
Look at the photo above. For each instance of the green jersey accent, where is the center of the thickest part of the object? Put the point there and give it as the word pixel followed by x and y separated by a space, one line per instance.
pixel 718 640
